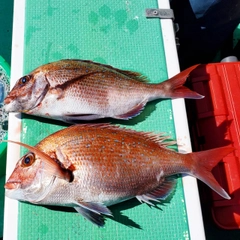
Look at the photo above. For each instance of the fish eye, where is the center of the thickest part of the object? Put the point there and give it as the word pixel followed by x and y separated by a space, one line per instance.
pixel 24 80
pixel 28 160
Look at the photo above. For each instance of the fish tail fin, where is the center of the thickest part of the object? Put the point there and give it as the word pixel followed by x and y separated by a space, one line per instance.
pixel 173 87
pixel 204 162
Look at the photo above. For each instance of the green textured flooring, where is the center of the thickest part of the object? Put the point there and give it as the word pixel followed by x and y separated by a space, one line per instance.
pixel 116 33
pixel 6 20
pixel 2 182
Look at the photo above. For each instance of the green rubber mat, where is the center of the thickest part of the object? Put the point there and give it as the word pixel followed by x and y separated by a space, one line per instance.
pixel 2 182
pixel 119 34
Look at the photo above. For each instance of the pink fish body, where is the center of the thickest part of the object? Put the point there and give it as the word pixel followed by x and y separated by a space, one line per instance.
pixel 91 167
pixel 71 90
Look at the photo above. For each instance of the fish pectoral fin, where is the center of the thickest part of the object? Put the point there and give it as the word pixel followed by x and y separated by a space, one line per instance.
pixel 93 212
pixel 96 207
pixel 136 110
pixel 74 118
pixel 162 192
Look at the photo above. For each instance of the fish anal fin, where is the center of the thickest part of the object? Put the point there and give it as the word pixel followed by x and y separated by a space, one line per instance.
pixel 161 193
pixel 94 212
pixel 136 110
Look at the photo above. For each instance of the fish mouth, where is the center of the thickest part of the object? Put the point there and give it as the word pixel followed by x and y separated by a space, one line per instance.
pixel 11 105
pixel 7 100
pixel 10 185
pixel 25 102
pixel 7 104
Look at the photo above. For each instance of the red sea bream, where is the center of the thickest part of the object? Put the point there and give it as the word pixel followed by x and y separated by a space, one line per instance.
pixel 92 166
pixel 72 90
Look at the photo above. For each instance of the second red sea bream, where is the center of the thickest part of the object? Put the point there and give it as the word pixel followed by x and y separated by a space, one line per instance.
pixel 92 166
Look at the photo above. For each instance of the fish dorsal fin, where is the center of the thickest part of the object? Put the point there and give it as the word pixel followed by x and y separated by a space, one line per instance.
pixel 161 139
pixel 162 192
pixel 93 212
pixel 131 74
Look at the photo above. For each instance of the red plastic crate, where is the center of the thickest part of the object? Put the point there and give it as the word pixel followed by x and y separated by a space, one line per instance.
pixel 215 122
